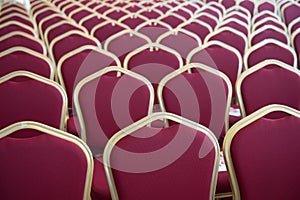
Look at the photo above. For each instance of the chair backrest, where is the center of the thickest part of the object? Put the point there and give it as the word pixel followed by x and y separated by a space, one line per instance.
pixel 247 4
pixel 105 104
pixel 21 58
pixel 216 54
pixel 153 61
pixel 181 40
pixel 269 32
pixel 139 154
pixel 208 18
pixel 266 5
pixel 261 155
pixel 80 63
pixel 125 42
pixel 269 82
pixel 132 20
pixel 69 41
pixel 32 98
pixel 18 18
pixel 290 11
pixel 269 21
pixel 294 25
pixel 198 27
pixel 173 19
pixel 203 96
pixel 21 39
pixel 270 49
pixel 231 37
pixel 11 26
pixel 50 165
pixel 236 24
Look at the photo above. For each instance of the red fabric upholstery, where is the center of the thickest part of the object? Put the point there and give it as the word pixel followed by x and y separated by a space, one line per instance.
pixel 153 31
pixel 266 6
pixel 116 14
pixel 237 26
pixel 270 51
pixel 100 189
pixel 52 21
pixel 70 9
pixel 90 23
pixel 207 20
pixel 19 40
pixel 150 14
pixel 44 14
pixel 81 14
pixel 80 65
pixel 228 3
pixel 154 65
pixel 154 178
pixel 18 19
pixel 14 27
pixel 106 31
pixel 291 12
pixel 133 22
pixel 269 33
pixel 41 167
pixel 263 16
pixel 275 23
pixel 116 103
pixel 21 60
pixel 271 86
pixel 198 29
pixel 264 156
pixel 70 43
pixel 231 39
pixel 200 97
pixel 30 100
pixel 223 185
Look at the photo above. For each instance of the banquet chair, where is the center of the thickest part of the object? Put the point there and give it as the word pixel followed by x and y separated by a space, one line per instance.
pixel 228 3
pixel 153 61
pixel 181 40
pixel 63 44
pixel 51 164
pixel 20 39
pixel 140 154
pixel 207 18
pixel 268 82
pixel 27 96
pixel 236 24
pixel 264 14
pixel 269 21
pixel 22 58
pixel 294 25
pixel 124 42
pixel 199 93
pixel 266 5
pixel 290 11
pixel 270 49
pixel 256 171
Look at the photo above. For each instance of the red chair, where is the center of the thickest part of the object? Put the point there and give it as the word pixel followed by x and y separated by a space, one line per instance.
pixel 228 3
pixel 294 25
pixel 20 39
pixel 199 93
pixel 268 32
pixel 231 37
pixel 153 61
pixel 235 24
pixel 173 19
pixel 207 18
pixel 27 96
pixel 271 21
pixel 159 153
pixel 249 5
pixel 21 58
pixel 270 49
pixel 290 11
pixel 181 40
pixel 106 29
pixel 153 28
pixel 90 21
pixel 266 5
pixel 69 41
pixel 80 63
pixel 124 42
pixel 18 18
pixel 198 27
pixel 295 40
pixel 269 82
pixel 80 13
pixel 256 171
pixel 52 164
pixel 11 26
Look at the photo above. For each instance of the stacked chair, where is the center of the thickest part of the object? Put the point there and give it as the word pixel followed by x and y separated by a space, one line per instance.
pixel 142 99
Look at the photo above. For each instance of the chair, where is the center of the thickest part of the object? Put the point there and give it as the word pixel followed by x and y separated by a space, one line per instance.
pixel 266 5
pixel 132 20
pixel 256 172
pixel 181 40
pixel 106 29
pixel 270 49
pixel 247 4
pixel 231 37
pixel 153 28
pixel 269 21
pixel 22 58
pixel 150 13
pixel 173 19
pixel 124 42
pixel 294 25
pixel 80 63
pixel 240 12
pixel 198 27
pixel 207 18
pixel 235 24
pixel 69 41
pixel 264 14
pixel 115 13
pixel 9 27
pixel 202 95
pixel 290 11
pixel 90 21
pixel 268 82
pixel 268 32
pixel 27 96
pixel 295 40
pixel 153 154
pixel 117 102
pixel 18 18
pixel 228 3
pixel 153 61
pixel 17 38
pixel 52 164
